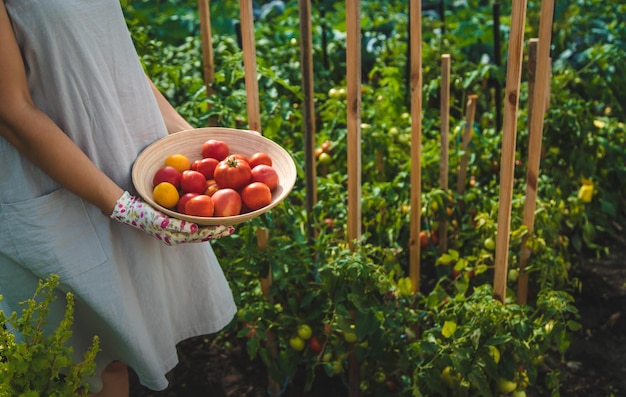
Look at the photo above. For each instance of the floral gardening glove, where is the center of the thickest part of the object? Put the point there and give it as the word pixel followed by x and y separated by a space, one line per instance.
pixel 137 213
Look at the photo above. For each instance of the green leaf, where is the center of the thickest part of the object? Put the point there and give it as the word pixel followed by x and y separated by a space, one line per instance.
pixel 448 329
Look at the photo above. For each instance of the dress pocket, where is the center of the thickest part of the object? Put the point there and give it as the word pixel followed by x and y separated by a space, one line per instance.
pixel 51 234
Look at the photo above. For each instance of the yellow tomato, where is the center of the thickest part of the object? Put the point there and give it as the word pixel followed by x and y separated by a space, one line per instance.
pixel 178 161
pixel 165 194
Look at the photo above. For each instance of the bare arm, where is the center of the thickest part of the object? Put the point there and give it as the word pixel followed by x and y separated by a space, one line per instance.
pixel 173 120
pixel 39 138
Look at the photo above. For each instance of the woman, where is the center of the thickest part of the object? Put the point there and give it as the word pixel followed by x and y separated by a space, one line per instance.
pixel 75 111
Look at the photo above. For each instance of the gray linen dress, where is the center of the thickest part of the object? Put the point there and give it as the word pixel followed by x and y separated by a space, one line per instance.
pixel 138 295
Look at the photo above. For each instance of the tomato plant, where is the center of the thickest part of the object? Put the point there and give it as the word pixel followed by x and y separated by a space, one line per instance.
pixel 459 323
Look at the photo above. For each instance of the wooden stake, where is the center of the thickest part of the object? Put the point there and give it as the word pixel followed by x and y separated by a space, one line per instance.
pixel 444 108
pixel 249 64
pixel 522 281
pixel 353 79
pixel 415 14
pixel 254 123
pixel 262 238
pixel 308 110
pixel 509 134
pixel 208 64
pixel 498 62
pixel 542 81
pixel 415 24
pixel 532 77
pixel 353 76
pixel 207 45
pixel 468 128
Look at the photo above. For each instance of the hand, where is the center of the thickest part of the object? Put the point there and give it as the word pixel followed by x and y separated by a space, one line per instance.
pixel 137 213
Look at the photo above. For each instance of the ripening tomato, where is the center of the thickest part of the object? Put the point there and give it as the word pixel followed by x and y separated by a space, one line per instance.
pixel 256 195
pixel 266 174
pixel 240 156
pixel 215 149
pixel 391 386
pixel 259 158
pixel 192 182
pixel 227 202
pixel 424 239
pixel 434 237
pixel 167 174
pixel 211 187
pixel 205 166
pixel 233 173
pixel 200 205
pixel 326 145
pixel 315 346
pixel 183 202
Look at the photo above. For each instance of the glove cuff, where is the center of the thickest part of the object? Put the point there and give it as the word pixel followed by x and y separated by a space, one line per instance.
pixel 122 205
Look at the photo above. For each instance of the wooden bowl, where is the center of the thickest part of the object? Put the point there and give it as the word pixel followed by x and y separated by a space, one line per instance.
pixel 189 143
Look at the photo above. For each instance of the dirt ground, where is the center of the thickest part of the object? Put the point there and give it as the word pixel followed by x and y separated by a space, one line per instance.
pixel 597 358
pixel 594 366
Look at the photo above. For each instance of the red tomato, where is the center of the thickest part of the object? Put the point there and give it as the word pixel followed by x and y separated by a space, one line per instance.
pixel 314 345
pixel 256 195
pixel 424 239
pixel 227 202
pixel 434 237
pixel 205 166
pixel 259 158
pixel 233 173
pixel 215 148
pixel 240 156
pixel 183 201
pixel 192 182
pixel 200 205
pixel 167 174
pixel 266 174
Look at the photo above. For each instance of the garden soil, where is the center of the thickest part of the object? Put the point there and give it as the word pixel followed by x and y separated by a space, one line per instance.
pixel 594 365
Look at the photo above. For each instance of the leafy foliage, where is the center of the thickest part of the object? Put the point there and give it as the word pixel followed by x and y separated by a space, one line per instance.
pixel 35 362
pixel 359 302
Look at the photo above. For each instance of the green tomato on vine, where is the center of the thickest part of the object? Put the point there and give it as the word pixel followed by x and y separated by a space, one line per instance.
pixel 350 336
pixel 304 332
pixel 296 343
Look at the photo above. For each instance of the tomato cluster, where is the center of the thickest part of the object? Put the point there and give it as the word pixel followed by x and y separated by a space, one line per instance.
pixel 323 153
pixel 218 184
